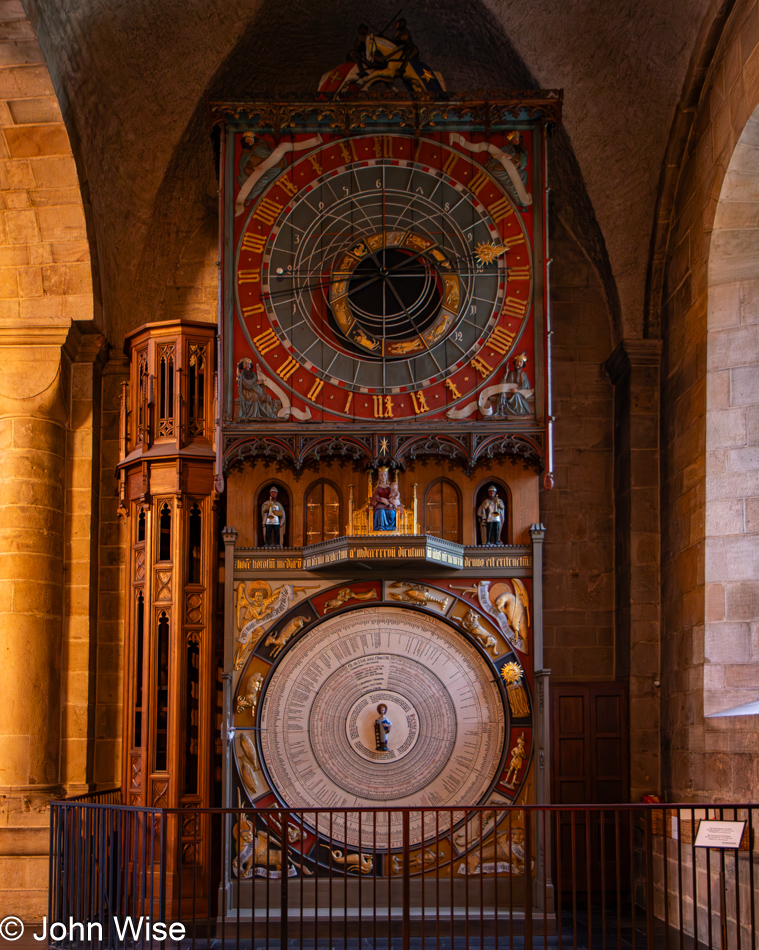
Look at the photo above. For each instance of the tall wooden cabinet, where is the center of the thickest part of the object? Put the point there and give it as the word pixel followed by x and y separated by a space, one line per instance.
pixel 172 657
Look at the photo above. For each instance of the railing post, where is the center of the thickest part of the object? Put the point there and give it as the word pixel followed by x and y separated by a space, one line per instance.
pixel 406 902
pixel 650 877
pixel 528 879
pixel 283 900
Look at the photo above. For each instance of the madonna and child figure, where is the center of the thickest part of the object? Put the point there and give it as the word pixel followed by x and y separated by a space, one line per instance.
pixel 385 503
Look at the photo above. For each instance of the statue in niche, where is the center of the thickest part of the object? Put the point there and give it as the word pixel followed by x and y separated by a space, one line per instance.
pixel 273 518
pixel 490 515
pixel 385 502
pixel 255 401
pixel 517 402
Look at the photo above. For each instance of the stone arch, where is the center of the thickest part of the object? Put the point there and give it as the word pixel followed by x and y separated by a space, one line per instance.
pixel 731 646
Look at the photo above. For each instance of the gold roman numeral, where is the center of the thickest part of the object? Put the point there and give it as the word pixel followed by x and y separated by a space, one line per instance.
pixel 248 276
pixel 349 150
pixel 290 187
pixel 253 243
pixel 509 242
pixel 348 402
pixel 315 389
pixel 500 340
pixel 513 307
pixel 383 146
pixel 519 273
pixel 420 403
pixel 383 407
pixel 316 164
pixel 265 341
pixel 286 370
pixel 478 182
pixel 452 386
pixel 483 368
pixel 499 210
pixel 450 163
pixel 267 210
pixel 252 310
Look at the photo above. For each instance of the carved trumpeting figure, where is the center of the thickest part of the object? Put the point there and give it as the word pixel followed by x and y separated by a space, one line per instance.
pixel 255 401
pixel 518 401
pixel 273 518
pixel 382 727
pixel 385 503
pixel 491 515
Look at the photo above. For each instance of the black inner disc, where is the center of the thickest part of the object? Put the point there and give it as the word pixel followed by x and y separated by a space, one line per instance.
pixel 395 293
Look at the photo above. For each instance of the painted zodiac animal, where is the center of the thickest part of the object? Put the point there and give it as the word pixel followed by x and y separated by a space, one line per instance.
pixel 280 640
pixel 358 863
pixel 418 594
pixel 508 847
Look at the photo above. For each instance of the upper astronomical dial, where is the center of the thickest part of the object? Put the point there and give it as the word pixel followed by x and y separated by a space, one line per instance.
pixel 369 277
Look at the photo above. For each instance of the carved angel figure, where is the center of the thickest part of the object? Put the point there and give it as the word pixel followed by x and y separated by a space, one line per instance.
pixel 254 602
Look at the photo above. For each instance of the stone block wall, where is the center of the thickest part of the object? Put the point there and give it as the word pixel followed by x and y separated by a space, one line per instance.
pixel 49 465
pixel 731 636
pixel 578 512
pixel 704 759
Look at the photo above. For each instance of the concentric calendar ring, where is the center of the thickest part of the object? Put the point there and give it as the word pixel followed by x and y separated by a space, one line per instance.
pixel 448 720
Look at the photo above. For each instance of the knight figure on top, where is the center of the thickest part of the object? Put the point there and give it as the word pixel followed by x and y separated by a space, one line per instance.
pixel 383 59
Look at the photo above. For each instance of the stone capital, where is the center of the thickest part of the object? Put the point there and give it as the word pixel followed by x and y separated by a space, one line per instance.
pixel 632 353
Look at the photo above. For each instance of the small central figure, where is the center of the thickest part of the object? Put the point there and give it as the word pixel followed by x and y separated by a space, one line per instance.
pixel 385 503
pixel 382 727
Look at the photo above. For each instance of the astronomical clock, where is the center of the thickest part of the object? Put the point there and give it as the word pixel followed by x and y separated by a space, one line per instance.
pixel 384 408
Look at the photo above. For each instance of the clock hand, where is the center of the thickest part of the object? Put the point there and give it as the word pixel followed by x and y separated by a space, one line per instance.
pixel 413 324
pixel 328 281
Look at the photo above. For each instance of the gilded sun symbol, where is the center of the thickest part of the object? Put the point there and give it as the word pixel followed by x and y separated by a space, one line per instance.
pixel 511 672
pixel 487 253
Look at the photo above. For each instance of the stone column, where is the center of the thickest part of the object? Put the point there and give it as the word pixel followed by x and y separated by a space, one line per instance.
pixel 35 395
pixel 634 369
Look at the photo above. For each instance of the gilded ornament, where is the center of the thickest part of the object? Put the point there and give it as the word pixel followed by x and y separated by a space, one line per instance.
pixel 512 676
pixel 486 253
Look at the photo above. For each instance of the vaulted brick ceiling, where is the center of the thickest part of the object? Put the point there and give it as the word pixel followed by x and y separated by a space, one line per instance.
pixel 133 76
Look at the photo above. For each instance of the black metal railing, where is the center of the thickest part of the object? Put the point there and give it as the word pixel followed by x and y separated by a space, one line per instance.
pixel 571 877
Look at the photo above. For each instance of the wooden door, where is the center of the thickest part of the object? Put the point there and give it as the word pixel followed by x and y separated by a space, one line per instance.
pixel 590 766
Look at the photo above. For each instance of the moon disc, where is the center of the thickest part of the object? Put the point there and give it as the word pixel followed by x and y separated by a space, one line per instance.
pixel 319 711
